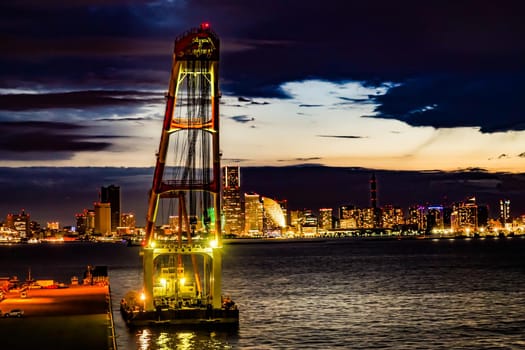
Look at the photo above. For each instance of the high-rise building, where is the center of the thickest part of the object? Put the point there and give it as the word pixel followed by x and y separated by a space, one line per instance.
pixel 504 212
pixel 464 217
pixel 416 219
pixel 111 195
pixel 325 218
pixel 392 217
pixel 435 219
pixel 19 222
pixel 309 224
pixel 349 217
pixel 231 200
pixel 128 220
pixel 253 214
pixel 295 217
pixel 102 218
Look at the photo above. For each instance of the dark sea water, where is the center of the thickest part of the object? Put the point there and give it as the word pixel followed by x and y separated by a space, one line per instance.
pixel 333 294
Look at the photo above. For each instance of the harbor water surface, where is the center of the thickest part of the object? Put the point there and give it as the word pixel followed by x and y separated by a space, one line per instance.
pixel 340 293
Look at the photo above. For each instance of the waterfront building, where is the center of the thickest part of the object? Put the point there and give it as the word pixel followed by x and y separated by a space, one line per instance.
pixel 283 203
pixel 518 224
pixel 370 218
pixel 128 220
pixel 274 219
pixel 416 218
pixel 325 218
pixel 85 221
pixel 111 195
pixel 392 217
pixel 102 218
pixel 231 200
pixel 53 225
pixel 483 217
pixel 349 217
pixel 19 222
pixel 308 224
pixel 435 219
pixel 295 217
pixel 253 214
pixel 504 212
pixel 464 217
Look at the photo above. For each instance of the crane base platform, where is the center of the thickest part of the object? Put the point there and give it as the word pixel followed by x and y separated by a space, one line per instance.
pixel 182 317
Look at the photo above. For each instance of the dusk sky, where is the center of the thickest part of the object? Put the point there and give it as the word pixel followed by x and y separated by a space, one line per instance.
pixel 391 85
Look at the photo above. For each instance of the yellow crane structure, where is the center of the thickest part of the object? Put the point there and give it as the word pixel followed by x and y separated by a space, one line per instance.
pixel 182 264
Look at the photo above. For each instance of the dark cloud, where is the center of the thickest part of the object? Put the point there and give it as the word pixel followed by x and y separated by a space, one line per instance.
pixel 252 102
pixel 342 136
pixel 306 159
pixel 47 140
pixel 242 119
pixel 309 105
pixel 75 99
pixel 521 155
pixel 235 160
pixel 493 102
pixel 355 100
pixel 457 63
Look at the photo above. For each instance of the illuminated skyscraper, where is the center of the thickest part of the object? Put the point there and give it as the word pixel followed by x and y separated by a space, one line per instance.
pixel 464 217
pixel 392 216
pixel 309 224
pixel 435 219
pixel 504 212
pixel 253 214
pixel 417 218
pixel 111 195
pixel 102 218
pixel 231 200
pixel 349 216
pixel 19 222
pixel 128 220
pixel 325 218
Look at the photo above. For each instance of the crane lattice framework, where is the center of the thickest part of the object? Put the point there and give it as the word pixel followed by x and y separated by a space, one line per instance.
pixel 189 175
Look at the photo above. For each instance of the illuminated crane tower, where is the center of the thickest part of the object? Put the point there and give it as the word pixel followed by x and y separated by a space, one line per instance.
pixel 182 264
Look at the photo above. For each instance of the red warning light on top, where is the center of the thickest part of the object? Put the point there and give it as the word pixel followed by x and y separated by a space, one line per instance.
pixel 205 25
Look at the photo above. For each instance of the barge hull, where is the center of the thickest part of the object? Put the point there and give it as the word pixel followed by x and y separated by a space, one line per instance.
pixel 182 317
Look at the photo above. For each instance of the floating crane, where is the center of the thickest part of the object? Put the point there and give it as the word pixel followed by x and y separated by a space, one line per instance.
pixel 182 264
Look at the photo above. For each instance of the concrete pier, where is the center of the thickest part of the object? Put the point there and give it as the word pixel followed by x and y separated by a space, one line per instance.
pixel 78 317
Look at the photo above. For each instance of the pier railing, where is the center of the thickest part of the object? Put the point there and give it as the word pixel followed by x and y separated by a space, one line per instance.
pixel 112 339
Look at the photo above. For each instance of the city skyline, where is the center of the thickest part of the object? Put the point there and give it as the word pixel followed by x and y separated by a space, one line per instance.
pixel 313 188
pixel 401 87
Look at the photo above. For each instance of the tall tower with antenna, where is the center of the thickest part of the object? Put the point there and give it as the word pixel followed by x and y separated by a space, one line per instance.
pixel 373 191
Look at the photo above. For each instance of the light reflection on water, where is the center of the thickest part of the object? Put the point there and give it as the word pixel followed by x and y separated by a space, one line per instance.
pixel 361 295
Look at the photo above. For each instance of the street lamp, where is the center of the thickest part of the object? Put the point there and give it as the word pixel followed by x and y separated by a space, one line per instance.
pixel 143 298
